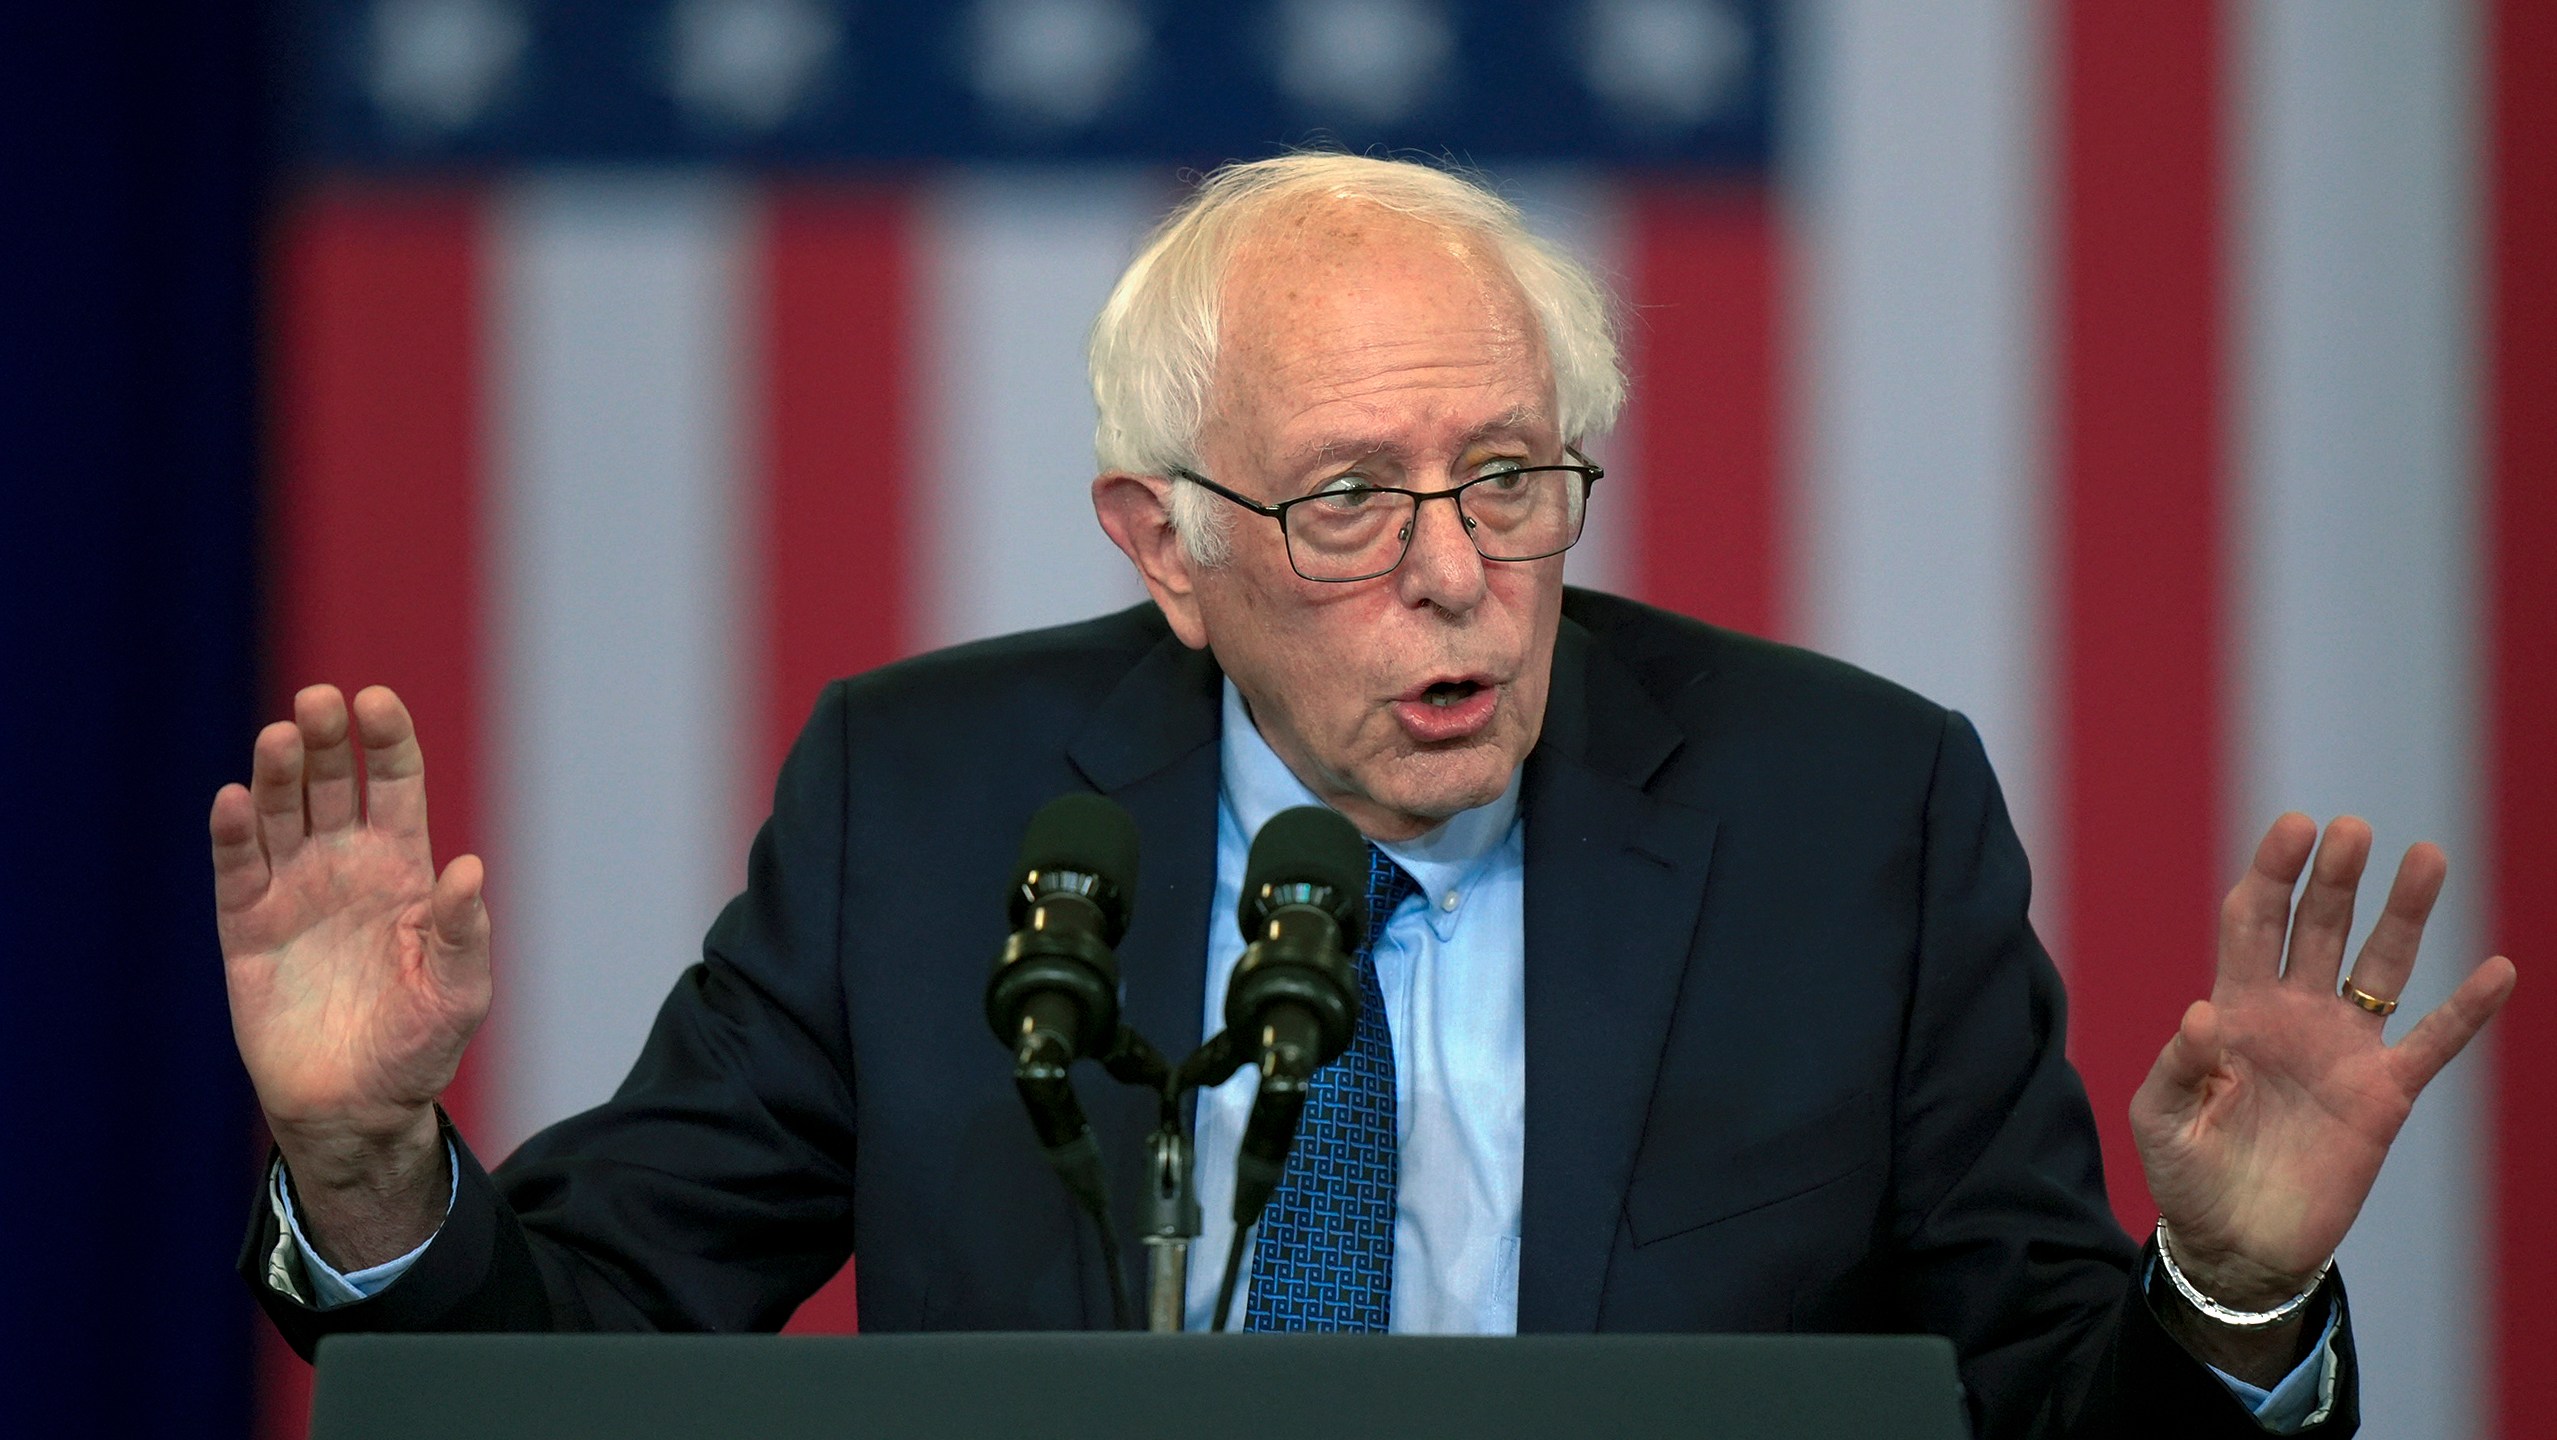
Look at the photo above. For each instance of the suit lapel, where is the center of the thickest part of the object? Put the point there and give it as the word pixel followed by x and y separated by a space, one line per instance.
pixel 1615 881
pixel 1152 747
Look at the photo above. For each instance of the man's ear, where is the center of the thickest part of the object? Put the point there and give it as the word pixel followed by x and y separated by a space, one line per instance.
pixel 1136 511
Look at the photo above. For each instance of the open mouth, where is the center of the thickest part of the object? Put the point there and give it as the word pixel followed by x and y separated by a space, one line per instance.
pixel 1455 709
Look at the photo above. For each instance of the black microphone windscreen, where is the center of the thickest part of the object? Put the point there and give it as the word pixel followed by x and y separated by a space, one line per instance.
pixel 1086 833
pixel 1310 846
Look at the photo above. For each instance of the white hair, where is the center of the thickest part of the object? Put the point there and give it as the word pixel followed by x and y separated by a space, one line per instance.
pixel 1153 348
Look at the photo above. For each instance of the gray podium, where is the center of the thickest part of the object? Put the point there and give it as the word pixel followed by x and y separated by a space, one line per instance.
pixel 1125 1386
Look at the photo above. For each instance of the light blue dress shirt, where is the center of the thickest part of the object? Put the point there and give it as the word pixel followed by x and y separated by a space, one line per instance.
pixel 1452 964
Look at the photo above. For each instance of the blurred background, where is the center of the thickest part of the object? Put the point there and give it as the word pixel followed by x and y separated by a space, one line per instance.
pixel 2170 386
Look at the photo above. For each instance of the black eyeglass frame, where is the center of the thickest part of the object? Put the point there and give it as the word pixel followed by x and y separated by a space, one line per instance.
pixel 1589 474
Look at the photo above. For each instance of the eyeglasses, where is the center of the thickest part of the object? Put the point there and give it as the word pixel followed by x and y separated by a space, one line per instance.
pixel 1358 532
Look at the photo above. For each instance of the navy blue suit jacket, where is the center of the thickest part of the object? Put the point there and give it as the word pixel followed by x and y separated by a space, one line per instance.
pixel 1794 1056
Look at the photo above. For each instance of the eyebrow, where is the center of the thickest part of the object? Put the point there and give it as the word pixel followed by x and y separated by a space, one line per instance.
pixel 1343 447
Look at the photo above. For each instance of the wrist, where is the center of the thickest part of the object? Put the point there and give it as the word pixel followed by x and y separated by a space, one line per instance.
pixel 2232 1290
pixel 402 1156
pixel 2260 1357
pixel 363 1201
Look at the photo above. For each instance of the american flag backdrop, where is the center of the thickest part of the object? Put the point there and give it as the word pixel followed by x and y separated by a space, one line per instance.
pixel 2170 386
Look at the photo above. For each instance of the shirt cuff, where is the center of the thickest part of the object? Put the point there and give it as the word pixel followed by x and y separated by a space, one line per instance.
pixel 327 1287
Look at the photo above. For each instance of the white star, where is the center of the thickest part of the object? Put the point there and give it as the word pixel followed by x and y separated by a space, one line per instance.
pixel 1053 64
pixel 1664 64
pixel 437 65
pixel 1365 60
pixel 746 64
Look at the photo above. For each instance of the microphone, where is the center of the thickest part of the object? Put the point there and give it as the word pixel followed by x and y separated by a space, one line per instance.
pixel 1054 988
pixel 1294 994
pixel 1054 996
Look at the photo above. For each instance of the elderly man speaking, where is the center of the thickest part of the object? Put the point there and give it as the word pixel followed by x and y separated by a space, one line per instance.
pixel 1703 995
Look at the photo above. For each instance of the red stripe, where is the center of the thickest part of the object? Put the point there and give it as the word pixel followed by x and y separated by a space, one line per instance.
pixel 376 558
pixel 837 449
pixel 2521 444
pixel 838 443
pixel 1701 347
pixel 2140 441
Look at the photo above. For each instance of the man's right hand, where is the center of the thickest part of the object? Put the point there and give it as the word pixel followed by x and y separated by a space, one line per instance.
pixel 356 974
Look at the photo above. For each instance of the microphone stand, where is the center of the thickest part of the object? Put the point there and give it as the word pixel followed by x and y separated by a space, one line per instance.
pixel 1169 1218
pixel 1211 1065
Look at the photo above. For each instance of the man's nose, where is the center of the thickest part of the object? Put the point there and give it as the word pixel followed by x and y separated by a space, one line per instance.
pixel 1441 566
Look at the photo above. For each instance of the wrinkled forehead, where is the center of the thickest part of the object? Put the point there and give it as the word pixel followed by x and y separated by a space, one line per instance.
pixel 1307 257
pixel 1310 282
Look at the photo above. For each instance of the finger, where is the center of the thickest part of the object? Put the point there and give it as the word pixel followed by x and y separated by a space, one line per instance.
pixel 457 912
pixel 2439 1037
pixel 2257 913
pixel 328 774
pixel 275 790
pixel 240 871
pixel 2193 1054
pixel 2169 1102
pixel 2323 920
pixel 394 766
pixel 2388 956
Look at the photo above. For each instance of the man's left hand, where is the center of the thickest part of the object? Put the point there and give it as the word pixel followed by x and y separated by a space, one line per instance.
pixel 2264 1122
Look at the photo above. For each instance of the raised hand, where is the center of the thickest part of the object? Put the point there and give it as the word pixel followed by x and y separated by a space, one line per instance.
pixel 2264 1122
pixel 356 975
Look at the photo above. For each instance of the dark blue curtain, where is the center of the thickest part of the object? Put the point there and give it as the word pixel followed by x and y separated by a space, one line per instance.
pixel 131 164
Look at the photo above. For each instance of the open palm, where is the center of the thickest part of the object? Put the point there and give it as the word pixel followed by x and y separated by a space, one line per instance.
pixel 2264 1122
pixel 356 976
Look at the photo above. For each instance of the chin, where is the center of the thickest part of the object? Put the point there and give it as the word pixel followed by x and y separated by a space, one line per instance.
pixel 1437 789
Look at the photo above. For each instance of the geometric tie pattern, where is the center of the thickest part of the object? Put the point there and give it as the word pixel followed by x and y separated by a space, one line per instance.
pixel 1323 1256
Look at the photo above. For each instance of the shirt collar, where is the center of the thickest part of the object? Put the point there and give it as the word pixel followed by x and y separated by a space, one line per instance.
pixel 1258 785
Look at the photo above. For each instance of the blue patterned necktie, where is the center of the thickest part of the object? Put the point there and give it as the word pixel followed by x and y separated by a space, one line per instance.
pixel 1323 1257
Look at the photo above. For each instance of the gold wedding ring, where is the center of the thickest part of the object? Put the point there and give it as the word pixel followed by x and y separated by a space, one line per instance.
pixel 2367 1000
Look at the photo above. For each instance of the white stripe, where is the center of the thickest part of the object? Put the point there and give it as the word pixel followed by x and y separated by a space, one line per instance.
pixel 1016 265
pixel 615 725
pixel 1919 543
pixel 2357 570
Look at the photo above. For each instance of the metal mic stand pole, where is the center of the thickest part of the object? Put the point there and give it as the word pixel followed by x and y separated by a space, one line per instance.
pixel 1170 1218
